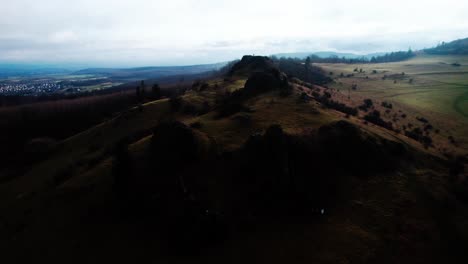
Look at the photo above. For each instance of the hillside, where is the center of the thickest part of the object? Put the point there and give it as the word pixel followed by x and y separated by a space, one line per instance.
pixel 456 47
pixel 422 91
pixel 256 166
pixel 140 73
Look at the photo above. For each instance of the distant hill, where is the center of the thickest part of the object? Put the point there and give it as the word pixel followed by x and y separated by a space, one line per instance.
pixel 327 54
pixel 150 72
pixel 456 47
pixel 29 70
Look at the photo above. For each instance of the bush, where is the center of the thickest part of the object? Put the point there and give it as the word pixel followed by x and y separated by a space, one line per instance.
pixel 374 117
pixel 176 103
pixel 367 104
pixel 417 134
pixel 304 98
pixel 422 119
pixel 204 86
pixel 387 105
pixel 327 102
pixel 232 103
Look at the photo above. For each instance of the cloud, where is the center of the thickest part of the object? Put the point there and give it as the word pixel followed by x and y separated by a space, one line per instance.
pixel 63 37
pixel 142 32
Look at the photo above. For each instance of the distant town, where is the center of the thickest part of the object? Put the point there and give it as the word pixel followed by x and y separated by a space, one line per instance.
pixel 30 88
pixel 53 85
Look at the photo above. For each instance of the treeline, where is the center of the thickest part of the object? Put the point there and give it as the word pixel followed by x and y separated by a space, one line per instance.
pixel 455 47
pixel 393 57
pixel 301 69
pixel 389 57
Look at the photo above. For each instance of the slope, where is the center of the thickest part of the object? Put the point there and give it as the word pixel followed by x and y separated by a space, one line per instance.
pixel 187 180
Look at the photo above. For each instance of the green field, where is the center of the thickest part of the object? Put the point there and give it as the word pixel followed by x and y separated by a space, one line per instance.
pixel 430 87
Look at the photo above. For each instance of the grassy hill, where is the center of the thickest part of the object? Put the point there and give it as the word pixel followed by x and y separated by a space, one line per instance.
pixel 250 167
pixel 456 47
pixel 427 86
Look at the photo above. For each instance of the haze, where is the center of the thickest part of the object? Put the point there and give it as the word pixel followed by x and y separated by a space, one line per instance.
pixel 148 32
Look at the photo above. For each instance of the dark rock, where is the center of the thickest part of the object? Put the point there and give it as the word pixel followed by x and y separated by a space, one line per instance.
pixel 250 64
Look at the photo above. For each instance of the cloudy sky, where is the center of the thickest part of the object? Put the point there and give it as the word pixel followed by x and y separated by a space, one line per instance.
pixel 156 32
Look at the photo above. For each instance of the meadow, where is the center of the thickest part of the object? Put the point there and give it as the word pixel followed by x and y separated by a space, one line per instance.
pixel 434 87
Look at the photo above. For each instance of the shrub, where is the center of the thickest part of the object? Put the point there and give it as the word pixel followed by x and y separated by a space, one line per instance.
pixel 422 119
pixel 367 104
pixel 156 92
pixel 428 127
pixel 374 117
pixel 304 98
pixel 176 103
pixel 417 134
pixel 204 86
pixel 452 140
pixel 327 102
pixel 387 105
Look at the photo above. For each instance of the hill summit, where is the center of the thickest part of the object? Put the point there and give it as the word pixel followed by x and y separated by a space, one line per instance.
pixel 250 64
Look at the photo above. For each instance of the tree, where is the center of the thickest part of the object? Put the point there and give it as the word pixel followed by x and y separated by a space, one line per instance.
pixel 307 65
pixel 143 90
pixel 138 93
pixel 307 62
pixel 156 91
pixel 368 102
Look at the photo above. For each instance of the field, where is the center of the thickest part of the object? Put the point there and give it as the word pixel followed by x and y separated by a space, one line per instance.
pixel 426 86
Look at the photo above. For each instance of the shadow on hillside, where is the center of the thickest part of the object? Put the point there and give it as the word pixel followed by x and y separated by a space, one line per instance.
pixel 198 197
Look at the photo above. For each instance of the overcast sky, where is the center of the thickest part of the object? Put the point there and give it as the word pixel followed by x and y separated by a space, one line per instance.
pixel 155 32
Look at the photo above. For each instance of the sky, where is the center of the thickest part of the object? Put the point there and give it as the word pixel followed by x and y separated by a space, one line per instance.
pixel 182 32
